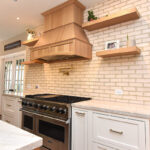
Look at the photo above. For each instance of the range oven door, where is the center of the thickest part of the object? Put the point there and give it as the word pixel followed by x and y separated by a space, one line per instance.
pixel 28 121
pixel 54 132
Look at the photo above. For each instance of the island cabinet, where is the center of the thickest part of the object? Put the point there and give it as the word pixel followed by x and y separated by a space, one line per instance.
pixel 94 130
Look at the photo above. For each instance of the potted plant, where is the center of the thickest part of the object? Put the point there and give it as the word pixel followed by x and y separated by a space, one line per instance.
pixel 31 34
pixel 91 16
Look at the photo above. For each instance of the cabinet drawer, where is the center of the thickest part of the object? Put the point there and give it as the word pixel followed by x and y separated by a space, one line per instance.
pixel 96 146
pixel 8 119
pixel 9 106
pixel 117 131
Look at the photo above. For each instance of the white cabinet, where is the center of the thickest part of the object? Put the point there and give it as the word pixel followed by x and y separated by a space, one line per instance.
pixel 103 131
pixel 117 131
pixel 9 119
pixel 11 110
pixel 79 129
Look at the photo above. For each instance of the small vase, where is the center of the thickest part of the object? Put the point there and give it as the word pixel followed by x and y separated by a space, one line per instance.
pixel 30 36
pixel 131 43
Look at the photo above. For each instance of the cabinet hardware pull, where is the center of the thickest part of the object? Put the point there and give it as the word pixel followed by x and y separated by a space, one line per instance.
pixel 79 113
pixel 8 105
pixel 118 132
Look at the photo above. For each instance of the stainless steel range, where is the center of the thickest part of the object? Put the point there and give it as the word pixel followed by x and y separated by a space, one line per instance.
pixel 49 116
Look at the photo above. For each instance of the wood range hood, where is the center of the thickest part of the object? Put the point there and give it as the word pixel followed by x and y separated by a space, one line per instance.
pixel 63 37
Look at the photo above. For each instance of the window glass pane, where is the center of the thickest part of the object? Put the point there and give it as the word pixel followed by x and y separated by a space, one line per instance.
pixel 19 77
pixel 17 80
pixel 8 76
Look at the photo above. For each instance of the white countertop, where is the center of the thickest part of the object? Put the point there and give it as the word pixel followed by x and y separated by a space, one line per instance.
pixel 133 110
pixel 13 138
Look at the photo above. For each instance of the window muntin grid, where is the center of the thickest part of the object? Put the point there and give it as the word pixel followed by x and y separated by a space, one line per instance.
pixel 8 76
pixel 19 77
pixel 13 75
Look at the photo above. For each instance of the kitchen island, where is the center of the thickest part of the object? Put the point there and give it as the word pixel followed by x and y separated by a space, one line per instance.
pixel 13 138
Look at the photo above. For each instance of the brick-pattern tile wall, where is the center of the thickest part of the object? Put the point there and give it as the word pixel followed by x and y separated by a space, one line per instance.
pixel 99 78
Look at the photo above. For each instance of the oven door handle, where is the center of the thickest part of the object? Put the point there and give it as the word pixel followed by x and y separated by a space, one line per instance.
pixel 66 122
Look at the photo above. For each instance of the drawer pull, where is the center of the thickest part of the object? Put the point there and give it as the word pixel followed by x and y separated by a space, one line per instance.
pixel 81 114
pixel 8 105
pixel 118 132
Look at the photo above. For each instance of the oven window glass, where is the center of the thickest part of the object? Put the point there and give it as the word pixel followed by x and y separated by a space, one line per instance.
pixel 28 122
pixel 52 130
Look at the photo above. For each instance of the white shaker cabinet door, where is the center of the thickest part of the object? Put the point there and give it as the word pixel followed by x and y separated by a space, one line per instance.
pixel 129 134
pixel 79 129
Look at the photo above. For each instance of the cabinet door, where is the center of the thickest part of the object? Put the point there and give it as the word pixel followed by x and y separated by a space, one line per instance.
pixel 119 132
pixel 79 130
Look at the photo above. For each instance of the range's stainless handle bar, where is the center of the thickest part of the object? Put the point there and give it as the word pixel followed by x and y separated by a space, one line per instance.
pixel 66 122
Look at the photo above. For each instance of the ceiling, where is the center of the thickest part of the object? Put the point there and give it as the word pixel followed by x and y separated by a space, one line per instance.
pixel 29 12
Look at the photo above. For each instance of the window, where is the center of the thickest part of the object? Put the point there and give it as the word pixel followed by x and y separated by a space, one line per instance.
pixel 14 75
pixel 8 76
pixel 19 77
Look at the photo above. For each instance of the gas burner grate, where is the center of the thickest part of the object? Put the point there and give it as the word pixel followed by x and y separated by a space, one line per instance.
pixel 58 98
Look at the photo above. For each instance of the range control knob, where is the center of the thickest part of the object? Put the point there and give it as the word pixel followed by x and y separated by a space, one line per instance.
pixel 65 111
pixel 44 107
pixel 60 110
pixel 53 108
pixel 38 105
pixel 47 107
pixel 28 103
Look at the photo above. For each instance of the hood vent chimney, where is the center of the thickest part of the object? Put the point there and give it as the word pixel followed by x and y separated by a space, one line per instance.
pixel 63 37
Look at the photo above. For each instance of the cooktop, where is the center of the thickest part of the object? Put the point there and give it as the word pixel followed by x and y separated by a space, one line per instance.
pixel 58 98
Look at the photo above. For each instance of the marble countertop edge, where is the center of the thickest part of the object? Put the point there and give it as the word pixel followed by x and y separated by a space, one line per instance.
pixel 131 110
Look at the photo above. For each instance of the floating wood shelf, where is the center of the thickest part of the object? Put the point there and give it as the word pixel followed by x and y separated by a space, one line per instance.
pixel 30 42
pixel 116 18
pixel 119 52
pixel 36 61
